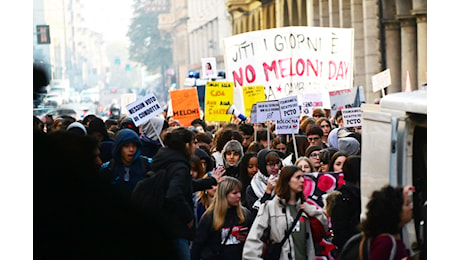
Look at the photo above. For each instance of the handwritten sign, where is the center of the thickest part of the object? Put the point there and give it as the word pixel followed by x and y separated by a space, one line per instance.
pixel 351 117
pixel 126 99
pixel 309 101
pixel 291 60
pixel 341 99
pixel 287 126
pixel 218 98
pixel 252 95
pixel 381 80
pixel 268 111
pixel 144 109
pixel 185 106
pixel 289 107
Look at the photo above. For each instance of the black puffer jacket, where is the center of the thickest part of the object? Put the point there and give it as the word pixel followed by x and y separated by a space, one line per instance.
pixel 178 197
pixel 345 214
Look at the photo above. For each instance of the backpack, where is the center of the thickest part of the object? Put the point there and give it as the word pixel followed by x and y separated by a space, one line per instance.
pixel 149 194
pixel 358 248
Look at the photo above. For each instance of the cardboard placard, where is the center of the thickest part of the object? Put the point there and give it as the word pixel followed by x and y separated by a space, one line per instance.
pixel 185 106
pixel 218 99
pixel 143 109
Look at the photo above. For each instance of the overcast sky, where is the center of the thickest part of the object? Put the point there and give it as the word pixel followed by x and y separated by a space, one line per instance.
pixel 109 17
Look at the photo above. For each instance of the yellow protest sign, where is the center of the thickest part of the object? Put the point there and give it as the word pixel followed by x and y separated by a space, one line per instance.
pixel 252 95
pixel 185 105
pixel 218 98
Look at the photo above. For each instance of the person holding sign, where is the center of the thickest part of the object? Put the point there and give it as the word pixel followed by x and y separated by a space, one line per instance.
pixel 151 137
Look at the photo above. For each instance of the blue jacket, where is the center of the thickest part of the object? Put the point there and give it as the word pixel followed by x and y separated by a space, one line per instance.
pixel 121 176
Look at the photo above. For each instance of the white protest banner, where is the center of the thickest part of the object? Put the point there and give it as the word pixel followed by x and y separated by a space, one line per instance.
pixel 287 126
pixel 309 101
pixel 381 80
pixel 341 99
pixel 289 107
pixel 291 60
pixel 143 109
pixel 351 117
pixel 268 111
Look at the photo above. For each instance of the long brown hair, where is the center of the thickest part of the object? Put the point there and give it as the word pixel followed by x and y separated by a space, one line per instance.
pixel 282 188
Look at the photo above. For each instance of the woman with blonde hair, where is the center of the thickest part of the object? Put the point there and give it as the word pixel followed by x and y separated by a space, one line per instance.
pixel 305 164
pixel 224 226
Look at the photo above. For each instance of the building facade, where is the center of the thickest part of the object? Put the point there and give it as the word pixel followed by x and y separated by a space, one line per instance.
pixel 74 53
pixel 207 31
pixel 389 34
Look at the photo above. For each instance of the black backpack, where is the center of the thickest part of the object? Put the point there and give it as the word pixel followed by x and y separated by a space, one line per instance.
pixel 358 248
pixel 149 194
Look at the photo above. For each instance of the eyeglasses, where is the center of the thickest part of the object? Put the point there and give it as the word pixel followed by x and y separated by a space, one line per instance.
pixel 314 155
pixel 311 139
pixel 273 164
pixel 317 115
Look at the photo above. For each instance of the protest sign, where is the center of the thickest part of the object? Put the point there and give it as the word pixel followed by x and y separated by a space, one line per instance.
pixel 218 99
pixel 252 95
pixel 126 99
pixel 309 101
pixel 268 111
pixel 143 109
pixel 291 60
pixel 289 107
pixel 346 98
pixel 185 106
pixel 351 117
pixel 254 114
pixel 287 126
pixel 208 68
pixel 381 80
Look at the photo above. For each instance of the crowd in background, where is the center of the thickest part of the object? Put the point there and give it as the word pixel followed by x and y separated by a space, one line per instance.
pixel 233 189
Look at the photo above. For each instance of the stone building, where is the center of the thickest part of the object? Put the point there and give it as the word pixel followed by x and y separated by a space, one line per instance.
pixel 197 29
pixel 388 33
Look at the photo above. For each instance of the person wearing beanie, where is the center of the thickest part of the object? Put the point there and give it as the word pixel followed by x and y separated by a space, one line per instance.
pixel 349 145
pixel 232 155
pixel 208 163
pixel 77 128
pixel 128 122
pixel 149 137
pixel 263 184
pixel 312 153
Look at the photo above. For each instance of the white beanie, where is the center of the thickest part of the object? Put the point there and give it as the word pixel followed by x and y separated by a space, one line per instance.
pixel 79 126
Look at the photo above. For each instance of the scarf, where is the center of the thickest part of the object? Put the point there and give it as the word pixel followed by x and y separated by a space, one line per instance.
pixel 259 185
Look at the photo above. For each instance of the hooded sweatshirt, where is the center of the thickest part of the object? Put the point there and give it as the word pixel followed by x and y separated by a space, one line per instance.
pixel 149 138
pixel 235 146
pixel 255 193
pixel 122 176
pixel 178 197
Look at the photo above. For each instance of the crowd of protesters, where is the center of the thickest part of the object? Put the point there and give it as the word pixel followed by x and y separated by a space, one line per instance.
pixel 229 194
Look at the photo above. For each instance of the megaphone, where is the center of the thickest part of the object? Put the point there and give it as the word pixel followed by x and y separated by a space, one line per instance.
pixel 233 111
